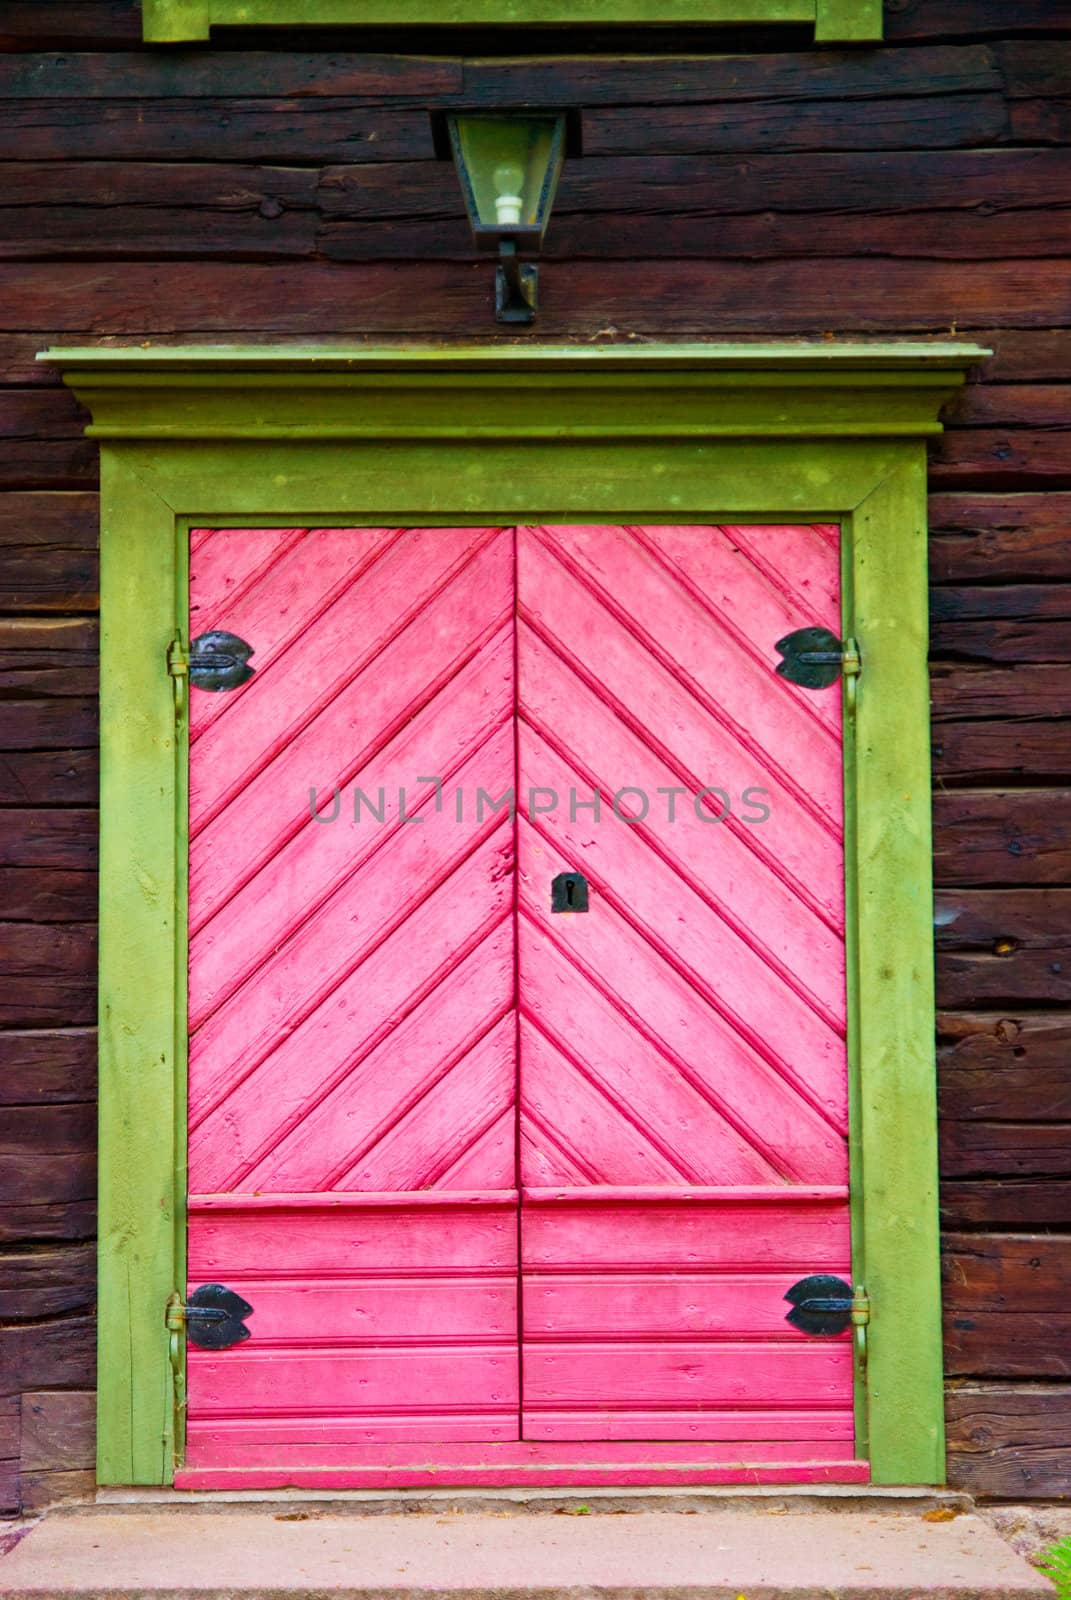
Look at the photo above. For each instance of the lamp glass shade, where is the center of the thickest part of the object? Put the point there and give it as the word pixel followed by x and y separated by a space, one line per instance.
pixel 509 168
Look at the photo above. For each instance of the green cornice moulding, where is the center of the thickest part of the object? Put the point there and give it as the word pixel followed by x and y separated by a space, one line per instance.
pixel 793 390
pixel 834 21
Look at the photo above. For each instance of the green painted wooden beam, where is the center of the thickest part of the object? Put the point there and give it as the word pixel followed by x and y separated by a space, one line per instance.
pixel 179 21
pixel 255 437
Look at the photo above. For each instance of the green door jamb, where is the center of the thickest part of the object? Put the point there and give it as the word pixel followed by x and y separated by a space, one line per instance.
pixel 703 433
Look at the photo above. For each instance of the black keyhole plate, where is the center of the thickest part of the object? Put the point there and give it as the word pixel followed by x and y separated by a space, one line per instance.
pixel 569 892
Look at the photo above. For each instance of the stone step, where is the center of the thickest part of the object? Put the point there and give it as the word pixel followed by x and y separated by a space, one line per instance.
pixel 602 1550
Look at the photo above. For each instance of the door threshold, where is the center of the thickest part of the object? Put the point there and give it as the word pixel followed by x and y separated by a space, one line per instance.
pixel 527 1467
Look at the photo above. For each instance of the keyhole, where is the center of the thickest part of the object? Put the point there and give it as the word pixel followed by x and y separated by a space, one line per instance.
pixel 570 891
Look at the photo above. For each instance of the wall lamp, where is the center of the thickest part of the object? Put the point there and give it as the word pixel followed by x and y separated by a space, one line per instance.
pixel 508 164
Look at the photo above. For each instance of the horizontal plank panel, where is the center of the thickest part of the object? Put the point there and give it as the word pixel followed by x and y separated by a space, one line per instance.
pixel 998 946
pixel 799 1432
pixel 1006 1203
pixel 684 1376
pixel 985 404
pixel 928 19
pixel 1003 837
pixel 1018 538
pixel 1032 68
pixel 61 777
pixel 995 752
pixel 48 1153
pixel 671 1305
pixel 727 1235
pixel 1012 1441
pixel 428 1380
pixel 341 1442
pixel 346 1311
pixel 1006 1068
pixel 1011 622
pixel 323 1240
pixel 47 1282
pixel 60 1219
pixel 57 1353
pixel 88 22
pixel 50 978
pixel 47 1065
pixel 238 298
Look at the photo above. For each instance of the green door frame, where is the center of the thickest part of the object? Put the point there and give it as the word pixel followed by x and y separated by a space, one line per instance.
pixel 702 433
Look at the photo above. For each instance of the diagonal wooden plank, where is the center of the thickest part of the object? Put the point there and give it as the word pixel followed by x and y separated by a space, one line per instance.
pixel 644 1083
pixel 490 1162
pixel 767 1115
pixel 376 608
pixel 644 613
pixel 368 908
pixel 283 599
pixel 306 1063
pixel 806 572
pixel 447 1120
pixel 226 562
pixel 754 603
pixel 760 1003
pixel 381 1087
pixel 770 908
pixel 388 692
pixel 257 927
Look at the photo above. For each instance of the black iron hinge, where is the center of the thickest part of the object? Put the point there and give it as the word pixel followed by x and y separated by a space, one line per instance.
pixel 815 658
pixel 211 1318
pixel 824 1304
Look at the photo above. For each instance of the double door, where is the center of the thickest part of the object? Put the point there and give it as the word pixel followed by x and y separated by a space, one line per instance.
pixel 517 1087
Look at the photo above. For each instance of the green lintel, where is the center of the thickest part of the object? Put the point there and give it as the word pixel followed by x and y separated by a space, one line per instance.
pixel 834 21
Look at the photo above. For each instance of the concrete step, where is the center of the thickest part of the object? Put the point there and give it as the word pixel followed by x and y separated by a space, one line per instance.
pixel 602 1550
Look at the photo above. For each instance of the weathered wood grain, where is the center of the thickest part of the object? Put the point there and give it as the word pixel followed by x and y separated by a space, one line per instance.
pixel 43 442
pixel 39 837
pixel 45 1066
pixel 1007 1301
pixel 999 753
pixel 1002 837
pixel 48 1153
pixel 47 1282
pixel 49 977
pixel 997 458
pixel 186 72
pixel 30 895
pixel 1005 1068
pixel 1001 946
pixel 1006 1203
pixel 1012 1441
pixel 55 1353
pixel 48 656
pixel 49 777
pixel 1005 1149
pixel 1000 538
pixel 1030 692
pixel 58 1430
pixel 1013 622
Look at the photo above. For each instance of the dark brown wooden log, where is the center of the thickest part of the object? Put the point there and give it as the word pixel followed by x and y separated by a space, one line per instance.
pixel 42 441
pixel 1005 1150
pixel 30 894
pixel 1005 1068
pixel 48 656
pixel 1040 121
pixel 91 23
pixel 1030 692
pixel 49 975
pixel 47 838
pixel 1034 68
pixel 62 724
pixel 41 1355
pixel 58 1430
pixel 49 777
pixel 40 1490
pixel 1012 1441
pixel 48 1219
pixel 1007 1300
pixel 1003 838
pixel 986 404
pixel 48 552
pixel 99 209
pixel 47 1282
pixel 999 458
pixel 1020 538
pixel 45 1066
pixel 998 753
pixel 929 19
pixel 49 1153
pixel 413 297
pixel 277 130
pixel 1025 356
pixel 186 73
pixel 1013 622
pixel 1006 1203
pixel 1003 946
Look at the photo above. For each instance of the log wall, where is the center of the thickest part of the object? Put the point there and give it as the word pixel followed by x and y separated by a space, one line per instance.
pixel 274 186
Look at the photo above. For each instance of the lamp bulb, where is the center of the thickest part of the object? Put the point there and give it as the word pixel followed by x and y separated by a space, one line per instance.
pixel 508 181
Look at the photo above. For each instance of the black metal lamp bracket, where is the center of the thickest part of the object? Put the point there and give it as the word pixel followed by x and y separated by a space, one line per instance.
pixel 516 286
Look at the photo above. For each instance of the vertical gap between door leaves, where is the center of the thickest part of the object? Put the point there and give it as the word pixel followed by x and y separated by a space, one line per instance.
pixel 517 976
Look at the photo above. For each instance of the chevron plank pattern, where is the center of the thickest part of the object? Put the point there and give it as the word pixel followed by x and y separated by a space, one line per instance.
pixel 394 1044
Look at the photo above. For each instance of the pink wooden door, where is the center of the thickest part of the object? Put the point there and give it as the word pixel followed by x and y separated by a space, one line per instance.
pixel 501 1183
